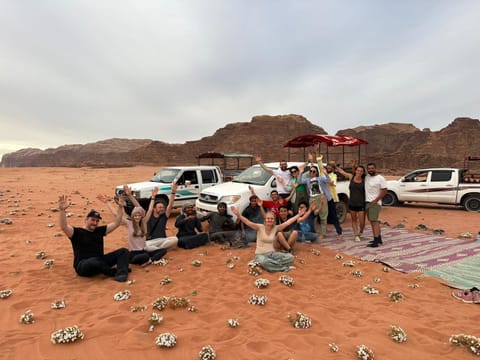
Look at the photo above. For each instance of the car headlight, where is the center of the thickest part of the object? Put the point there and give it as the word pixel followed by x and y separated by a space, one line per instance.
pixel 230 199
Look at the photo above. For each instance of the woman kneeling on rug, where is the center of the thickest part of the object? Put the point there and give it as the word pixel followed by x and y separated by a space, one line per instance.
pixel 265 254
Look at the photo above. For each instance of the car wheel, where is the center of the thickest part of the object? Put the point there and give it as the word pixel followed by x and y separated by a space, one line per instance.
pixel 341 208
pixel 390 199
pixel 472 203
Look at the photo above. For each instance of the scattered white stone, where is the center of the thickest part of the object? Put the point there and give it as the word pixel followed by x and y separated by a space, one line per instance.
pixel 161 303
pixel 27 317
pixel 66 335
pixel 196 263
pixel 154 320
pixel 396 296
pixel 166 280
pixel 122 295
pixel 370 290
pixel 207 353
pixel 233 323
pixel 398 334
pixel 334 347
pixel 5 293
pixel 167 340
pixel 58 304
pixel 257 300
pixel 41 255
pixel 364 353
pixel 262 283
pixel 286 280
pixel 301 321
pixel 471 342
pixel 357 273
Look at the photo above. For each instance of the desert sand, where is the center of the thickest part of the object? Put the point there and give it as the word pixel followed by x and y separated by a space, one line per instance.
pixel 324 290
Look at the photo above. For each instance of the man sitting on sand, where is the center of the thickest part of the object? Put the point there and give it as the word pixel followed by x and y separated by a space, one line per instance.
pixel 190 231
pixel 87 243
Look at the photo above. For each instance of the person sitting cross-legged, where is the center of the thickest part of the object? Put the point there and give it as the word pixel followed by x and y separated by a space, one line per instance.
pixel 190 230
pixel 265 254
pixel 222 227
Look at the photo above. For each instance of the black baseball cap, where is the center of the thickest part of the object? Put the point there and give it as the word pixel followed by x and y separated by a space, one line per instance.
pixel 95 214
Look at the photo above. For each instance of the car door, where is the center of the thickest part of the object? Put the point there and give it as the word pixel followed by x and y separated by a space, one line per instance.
pixel 188 186
pixel 442 186
pixel 209 178
pixel 415 186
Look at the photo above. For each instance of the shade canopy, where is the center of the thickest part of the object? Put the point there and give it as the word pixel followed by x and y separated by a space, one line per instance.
pixel 216 155
pixel 307 140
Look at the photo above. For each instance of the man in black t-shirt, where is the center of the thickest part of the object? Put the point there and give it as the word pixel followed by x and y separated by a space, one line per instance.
pixel 87 244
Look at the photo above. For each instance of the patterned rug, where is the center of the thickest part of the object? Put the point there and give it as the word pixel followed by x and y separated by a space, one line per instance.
pixel 407 251
pixel 462 275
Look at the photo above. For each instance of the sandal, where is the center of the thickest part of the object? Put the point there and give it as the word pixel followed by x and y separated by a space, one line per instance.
pixel 465 295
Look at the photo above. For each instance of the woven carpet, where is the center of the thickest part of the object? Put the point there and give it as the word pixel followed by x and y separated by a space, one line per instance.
pixel 462 275
pixel 407 252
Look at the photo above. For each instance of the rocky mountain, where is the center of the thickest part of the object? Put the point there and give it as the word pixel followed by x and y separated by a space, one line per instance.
pixel 400 147
pixel 394 147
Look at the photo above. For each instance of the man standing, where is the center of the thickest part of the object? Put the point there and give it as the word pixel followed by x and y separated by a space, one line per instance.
pixel 87 243
pixel 282 174
pixel 375 190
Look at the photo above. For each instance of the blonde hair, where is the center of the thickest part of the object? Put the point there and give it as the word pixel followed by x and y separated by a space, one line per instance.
pixel 140 228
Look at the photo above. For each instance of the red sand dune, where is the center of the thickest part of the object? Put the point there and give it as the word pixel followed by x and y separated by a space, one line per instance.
pixel 324 290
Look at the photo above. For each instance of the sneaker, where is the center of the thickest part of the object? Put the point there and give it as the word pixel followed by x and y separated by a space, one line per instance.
pixel 146 263
pixel 357 238
pixel 120 277
pixel 464 295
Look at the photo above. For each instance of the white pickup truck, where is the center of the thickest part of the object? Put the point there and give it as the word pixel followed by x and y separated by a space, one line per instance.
pixel 236 192
pixel 436 185
pixel 191 180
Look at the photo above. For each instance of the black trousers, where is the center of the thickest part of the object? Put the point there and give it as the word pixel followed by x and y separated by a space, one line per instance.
pixel 139 257
pixel 332 216
pixel 104 264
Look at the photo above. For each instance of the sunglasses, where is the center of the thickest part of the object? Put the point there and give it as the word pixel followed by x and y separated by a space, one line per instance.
pixel 293 171
pixel 313 171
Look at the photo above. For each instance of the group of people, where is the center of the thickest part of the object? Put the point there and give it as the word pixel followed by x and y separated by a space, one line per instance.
pixel 146 231
pixel 298 210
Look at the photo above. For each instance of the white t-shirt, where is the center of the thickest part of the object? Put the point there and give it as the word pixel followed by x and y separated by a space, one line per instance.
pixel 373 185
pixel 286 176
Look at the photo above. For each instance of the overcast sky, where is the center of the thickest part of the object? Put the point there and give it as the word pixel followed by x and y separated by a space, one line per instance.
pixel 78 71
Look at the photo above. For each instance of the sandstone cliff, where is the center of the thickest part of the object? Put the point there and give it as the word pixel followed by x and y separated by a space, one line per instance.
pixel 394 147
pixel 399 147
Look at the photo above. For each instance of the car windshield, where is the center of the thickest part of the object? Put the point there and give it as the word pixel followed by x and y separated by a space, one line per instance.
pixel 254 175
pixel 165 176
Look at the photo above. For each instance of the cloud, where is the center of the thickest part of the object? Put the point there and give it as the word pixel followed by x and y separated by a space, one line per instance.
pixel 81 71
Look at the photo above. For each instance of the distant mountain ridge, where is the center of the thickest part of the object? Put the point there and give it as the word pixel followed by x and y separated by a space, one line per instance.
pixel 392 146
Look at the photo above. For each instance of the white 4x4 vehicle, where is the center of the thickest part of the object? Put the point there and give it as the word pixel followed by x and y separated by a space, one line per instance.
pixel 452 186
pixel 236 192
pixel 191 180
